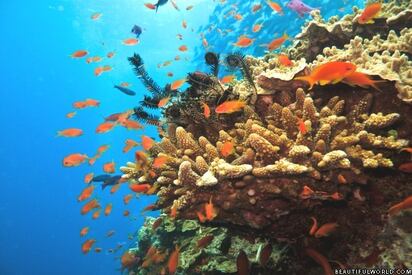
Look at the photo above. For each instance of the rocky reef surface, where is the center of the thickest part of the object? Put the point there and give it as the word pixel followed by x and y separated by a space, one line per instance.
pixel 330 155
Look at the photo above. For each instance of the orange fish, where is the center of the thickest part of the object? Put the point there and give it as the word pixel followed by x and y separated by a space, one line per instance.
pixel 105 127
pixel 238 16
pixel 150 6
pixel 369 13
pixel 96 59
pixel 110 54
pixel 302 127
pixel 275 6
pixel 84 231
pixel 206 110
pixel 314 227
pixel 256 27
pixel 256 7
pixel 92 204
pixel 243 41
pixel 227 79
pixel 70 132
pixel 130 41
pixel 183 48
pixel 157 223
pixel 96 16
pixel 99 70
pixel 177 84
pixel 108 209
pixel 173 211
pixel 284 60
pixel 127 198
pixel 277 42
pixel 361 80
pixel 71 114
pixel 320 259
pixel 115 188
pixel 405 204
pixel 86 193
pixel 325 230
pixel 201 217
pixel 79 105
pixel 79 54
pixel 331 72
pixel 159 161
pixel 227 149
pixel 147 142
pixel 184 24
pixel 107 68
pixel 126 213
pixel 103 148
pixel 98 249
pixel 87 245
pixel 129 144
pixel 306 192
pixel 96 214
pixel 88 178
pixel 92 102
pixel 264 256
pixel 139 188
pixel 109 167
pixel 173 261
pixel 409 150
pixel 210 210
pixel 74 160
pixel 230 106
pixel 163 102
pixel 205 241
pixel 92 160
pixel 131 124
pixel 177 58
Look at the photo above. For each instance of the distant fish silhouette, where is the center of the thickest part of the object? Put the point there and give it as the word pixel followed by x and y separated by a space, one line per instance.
pixel 125 90
pixel 160 3
pixel 137 30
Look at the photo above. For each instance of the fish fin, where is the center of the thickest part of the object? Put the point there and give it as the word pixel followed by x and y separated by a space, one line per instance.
pixel 376 87
pixel 336 80
pixel 370 21
pixel 308 79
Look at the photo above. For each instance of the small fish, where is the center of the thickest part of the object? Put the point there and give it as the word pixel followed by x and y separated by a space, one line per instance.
pixel 205 241
pixel 405 204
pixel 84 231
pixel 112 117
pixel 242 263
pixel 227 148
pixel 183 48
pixel 177 84
pixel 160 161
pixel 110 54
pixel 86 193
pixel 103 148
pixel 115 187
pixel 370 13
pixel 314 227
pixel 170 74
pixel 264 256
pixel 99 70
pixel 98 249
pixel 173 261
pixel 275 6
pixel 206 110
pixel 184 24
pixel 163 102
pixel 307 192
pixel 243 41
pixel 125 90
pixel 325 230
pixel 110 233
pixel 96 214
pixel 147 142
pixel 96 16
pixel 257 27
pixel 139 188
pixel 127 198
pixel 71 114
pixel 330 72
pixel 227 79
pixel 90 205
pixel 256 7
pixel 87 245
pixel 129 144
pixel 125 84
pixel 136 30
pixel 108 209
pixel 70 132
pixel 130 41
pixel 277 42
pixel 302 126
pixel 73 160
pixel 320 259
pixel 230 106
pixel 150 6
pixel 131 124
pixel 79 105
pixel 188 8
pixel 238 16
pixel 150 207
pixel 157 223
pixel 126 213
pixel 173 211
pixel 210 210
pixel 92 102
pixel 284 60
pixel 79 54
pixel 105 127
pixel 361 80
pixel 101 178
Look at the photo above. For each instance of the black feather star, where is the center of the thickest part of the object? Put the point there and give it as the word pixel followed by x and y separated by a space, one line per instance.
pixel 144 116
pixel 150 102
pixel 137 62
pixel 212 60
pixel 237 60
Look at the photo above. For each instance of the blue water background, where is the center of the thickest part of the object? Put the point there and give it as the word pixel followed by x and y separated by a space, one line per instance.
pixel 39 214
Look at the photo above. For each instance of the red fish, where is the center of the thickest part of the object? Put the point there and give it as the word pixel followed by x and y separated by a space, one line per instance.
pixel 183 48
pixel 79 54
pixel 139 188
pixel 314 227
pixel 177 84
pixel 227 148
pixel 93 204
pixel 275 6
pixel 96 214
pixel 130 41
pixel 277 42
pixel 325 230
pixel 84 231
pixel 361 80
pixel 108 209
pixel 109 167
pixel 227 79
pixel 129 144
pixel 302 127
pixel 265 254
pixel 70 132
pixel 284 60
pixel 160 161
pixel 86 193
pixel 243 41
pixel 87 245
pixel 147 142
pixel 105 127
pixel 201 217
pixel 256 7
pixel 230 106
pixel 369 13
pixel 206 110
pixel 210 210
pixel 405 204
pixel 173 261
pixel 74 160
pixel 157 223
pixel 150 6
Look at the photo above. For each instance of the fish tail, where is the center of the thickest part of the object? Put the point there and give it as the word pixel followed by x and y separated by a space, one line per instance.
pixel 308 79
pixel 395 209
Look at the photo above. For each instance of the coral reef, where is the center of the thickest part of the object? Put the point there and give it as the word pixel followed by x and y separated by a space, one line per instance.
pixel 328 154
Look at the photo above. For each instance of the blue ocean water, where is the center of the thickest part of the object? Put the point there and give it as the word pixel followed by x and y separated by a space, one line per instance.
pixel 39 213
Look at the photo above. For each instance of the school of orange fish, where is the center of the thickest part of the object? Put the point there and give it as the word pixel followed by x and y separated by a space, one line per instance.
pixel 329 73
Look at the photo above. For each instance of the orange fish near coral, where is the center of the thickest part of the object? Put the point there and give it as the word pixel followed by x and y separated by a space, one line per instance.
pixel 201 217
pixel 205 241
pixel 361 80
pixel 206 110
pixel 210 210
pixel 88 178
pixel 325 230
pixel 109 167
pixel 302 127
pixel 405 204
pixel 276 43
pixel 70 132
pixel 105 127
pixel 331 72
pixel 147 142
pixel 230 106
pixel 227 79
pixel 173 261
pixel 284 60
pixel 139 188
pixel 159 161
pixel 369 13
pixel 163 101
pixel 320 259
pixel 129 144
pixel 131 124
pixel 79 54
pixel 130 41
pixel 177 84
pixel 243 41
pixel 86 193
pixel 87 245
pixel 74 160
pixel 227 148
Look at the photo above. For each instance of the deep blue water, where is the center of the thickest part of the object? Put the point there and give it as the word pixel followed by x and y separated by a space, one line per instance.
pixel 39 213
